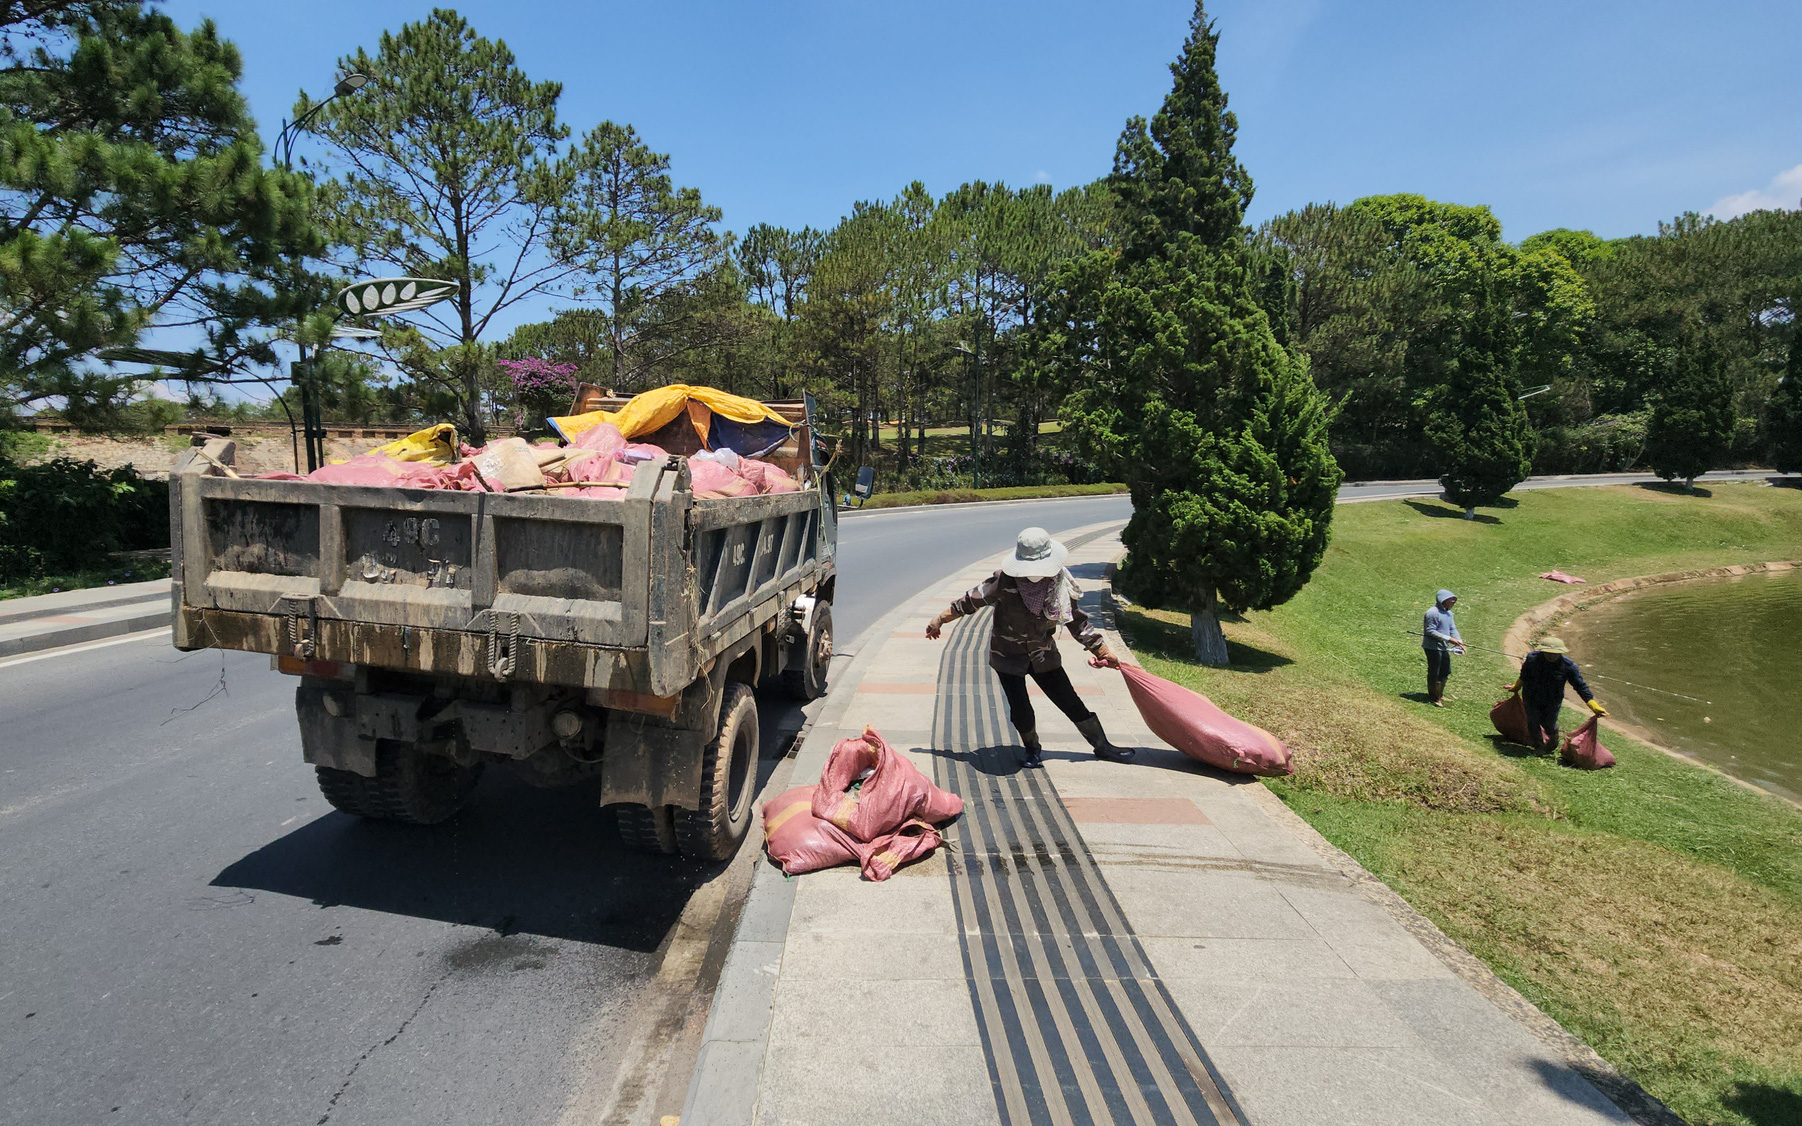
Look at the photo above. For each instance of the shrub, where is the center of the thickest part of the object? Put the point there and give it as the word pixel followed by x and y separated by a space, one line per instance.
pixel 67 515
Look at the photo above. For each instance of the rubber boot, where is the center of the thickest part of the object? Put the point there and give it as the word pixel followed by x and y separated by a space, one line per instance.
pixel 1091 730
pixel 1035 754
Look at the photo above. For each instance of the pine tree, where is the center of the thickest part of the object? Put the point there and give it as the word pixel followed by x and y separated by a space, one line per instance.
pixel 134 196
pixel 1216 427
pixel 451 171
pixel 640 241
pixel 1692 419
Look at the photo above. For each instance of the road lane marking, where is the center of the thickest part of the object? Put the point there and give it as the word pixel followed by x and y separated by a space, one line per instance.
pixel 86 647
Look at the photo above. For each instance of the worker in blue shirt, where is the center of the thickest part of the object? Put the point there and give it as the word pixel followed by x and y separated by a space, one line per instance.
pixel 1543 676
pixel 1439 637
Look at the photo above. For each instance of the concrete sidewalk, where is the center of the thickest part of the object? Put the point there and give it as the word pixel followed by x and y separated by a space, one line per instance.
pixel 47 621
pixel 1153 942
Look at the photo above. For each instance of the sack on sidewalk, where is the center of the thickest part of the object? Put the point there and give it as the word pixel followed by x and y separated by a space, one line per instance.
pixel 910 842
pixel 1192 724
pixel 1583 748
pixel 798 840
pixel 891 790
pixel 1510 719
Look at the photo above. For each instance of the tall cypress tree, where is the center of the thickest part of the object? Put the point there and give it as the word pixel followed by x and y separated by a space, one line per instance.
pixel 1476 426
pixel 1185 392
pixel 1692 419
pixel 1783 414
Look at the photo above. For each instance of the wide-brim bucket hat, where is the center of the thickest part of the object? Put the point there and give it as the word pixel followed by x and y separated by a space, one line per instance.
pixel 1036 556
pixel 1552 645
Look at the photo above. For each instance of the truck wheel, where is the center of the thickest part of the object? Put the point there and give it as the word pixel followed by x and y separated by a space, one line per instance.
pixel 409 786
pixel 644 829
pixel 809 681
pixel 728 777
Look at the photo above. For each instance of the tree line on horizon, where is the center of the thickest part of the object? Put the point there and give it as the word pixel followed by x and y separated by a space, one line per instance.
pixel 136 194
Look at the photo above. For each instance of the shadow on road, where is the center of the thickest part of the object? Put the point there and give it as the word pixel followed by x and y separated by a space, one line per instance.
pixel 519 859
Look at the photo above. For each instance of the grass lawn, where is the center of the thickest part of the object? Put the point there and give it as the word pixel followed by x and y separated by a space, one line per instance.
pixel 119 570
pixel 963 496
pixel 1654 909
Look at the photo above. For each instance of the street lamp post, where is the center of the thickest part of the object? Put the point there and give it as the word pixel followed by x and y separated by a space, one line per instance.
pixel 975 355
pixel 300 375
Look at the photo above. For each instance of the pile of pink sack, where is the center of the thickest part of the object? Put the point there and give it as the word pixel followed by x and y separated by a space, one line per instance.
pixel 871 808
pixel 599 463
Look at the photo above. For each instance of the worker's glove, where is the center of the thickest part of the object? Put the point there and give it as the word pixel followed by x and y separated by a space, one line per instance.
pixel 1596 707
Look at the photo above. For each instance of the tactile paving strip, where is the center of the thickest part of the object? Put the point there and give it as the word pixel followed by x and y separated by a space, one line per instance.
pixel 1076 1026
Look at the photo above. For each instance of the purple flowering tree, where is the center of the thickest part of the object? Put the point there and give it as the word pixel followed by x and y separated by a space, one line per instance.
pixel 540 387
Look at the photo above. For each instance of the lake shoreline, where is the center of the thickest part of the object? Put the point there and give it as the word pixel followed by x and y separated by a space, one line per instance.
pixel 1523 635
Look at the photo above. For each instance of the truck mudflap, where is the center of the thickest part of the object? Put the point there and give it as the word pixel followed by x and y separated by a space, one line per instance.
pixel 652 761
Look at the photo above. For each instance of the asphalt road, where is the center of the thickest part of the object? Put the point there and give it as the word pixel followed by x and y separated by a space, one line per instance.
pixel 192 935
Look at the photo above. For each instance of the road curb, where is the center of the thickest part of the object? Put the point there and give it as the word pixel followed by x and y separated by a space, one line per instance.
pixel 76 634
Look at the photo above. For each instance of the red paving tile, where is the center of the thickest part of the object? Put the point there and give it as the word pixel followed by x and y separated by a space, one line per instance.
pixel 1135 811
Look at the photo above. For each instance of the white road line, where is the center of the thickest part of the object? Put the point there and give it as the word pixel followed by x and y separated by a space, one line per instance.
pixel 27 658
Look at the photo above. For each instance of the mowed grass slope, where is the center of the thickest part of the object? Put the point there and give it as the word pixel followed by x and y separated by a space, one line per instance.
pixel 1654 909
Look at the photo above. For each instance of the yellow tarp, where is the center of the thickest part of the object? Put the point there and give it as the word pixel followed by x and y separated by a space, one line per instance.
pixel 653 410
pixel 436 444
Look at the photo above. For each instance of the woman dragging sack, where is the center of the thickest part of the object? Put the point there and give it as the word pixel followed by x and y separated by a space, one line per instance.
pixel 1032 595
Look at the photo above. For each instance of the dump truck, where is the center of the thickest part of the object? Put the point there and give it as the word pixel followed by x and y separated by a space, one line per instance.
pixel 436 634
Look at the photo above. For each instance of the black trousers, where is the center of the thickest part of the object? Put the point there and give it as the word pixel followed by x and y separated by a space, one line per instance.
pixel 1542 716
pixel 1439 664
pixel 1057 686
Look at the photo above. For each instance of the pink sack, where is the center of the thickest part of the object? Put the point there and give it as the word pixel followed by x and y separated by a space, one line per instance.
pixel 910 842
pixel 798 840
pixel 1192 724
pixel 1561 577
pixel 713 480
pixel 364 469
pixel 604 438
pixel 768 478
pixel 1510 719
pixel 893 791
pixel 1583 748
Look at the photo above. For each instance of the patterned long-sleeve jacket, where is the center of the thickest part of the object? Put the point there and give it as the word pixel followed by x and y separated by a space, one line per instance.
pixel 1023 641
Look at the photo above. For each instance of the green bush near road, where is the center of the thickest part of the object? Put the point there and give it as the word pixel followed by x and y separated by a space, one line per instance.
pixel 966 496
pixel 1654 909
pixel 68 517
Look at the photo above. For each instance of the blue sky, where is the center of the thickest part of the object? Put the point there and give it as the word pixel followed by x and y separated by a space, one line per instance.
pixel 1602 114
pixel 1595 113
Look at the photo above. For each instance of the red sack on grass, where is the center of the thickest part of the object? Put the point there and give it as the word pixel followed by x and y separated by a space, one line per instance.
pixel 910 842
pixel 892 792
pixel 801 842
pixel 1192 724
pixel 1583 748
pixel 1510 719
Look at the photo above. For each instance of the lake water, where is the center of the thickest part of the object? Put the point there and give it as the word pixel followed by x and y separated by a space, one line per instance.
pixel 1734 642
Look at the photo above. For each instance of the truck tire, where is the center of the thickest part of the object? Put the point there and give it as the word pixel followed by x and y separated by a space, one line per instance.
pixel 728 779
pixel 809 681
pixel 647 830
pixel 409 786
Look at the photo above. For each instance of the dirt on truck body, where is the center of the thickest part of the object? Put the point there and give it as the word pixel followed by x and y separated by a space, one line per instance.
pixel 437 633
